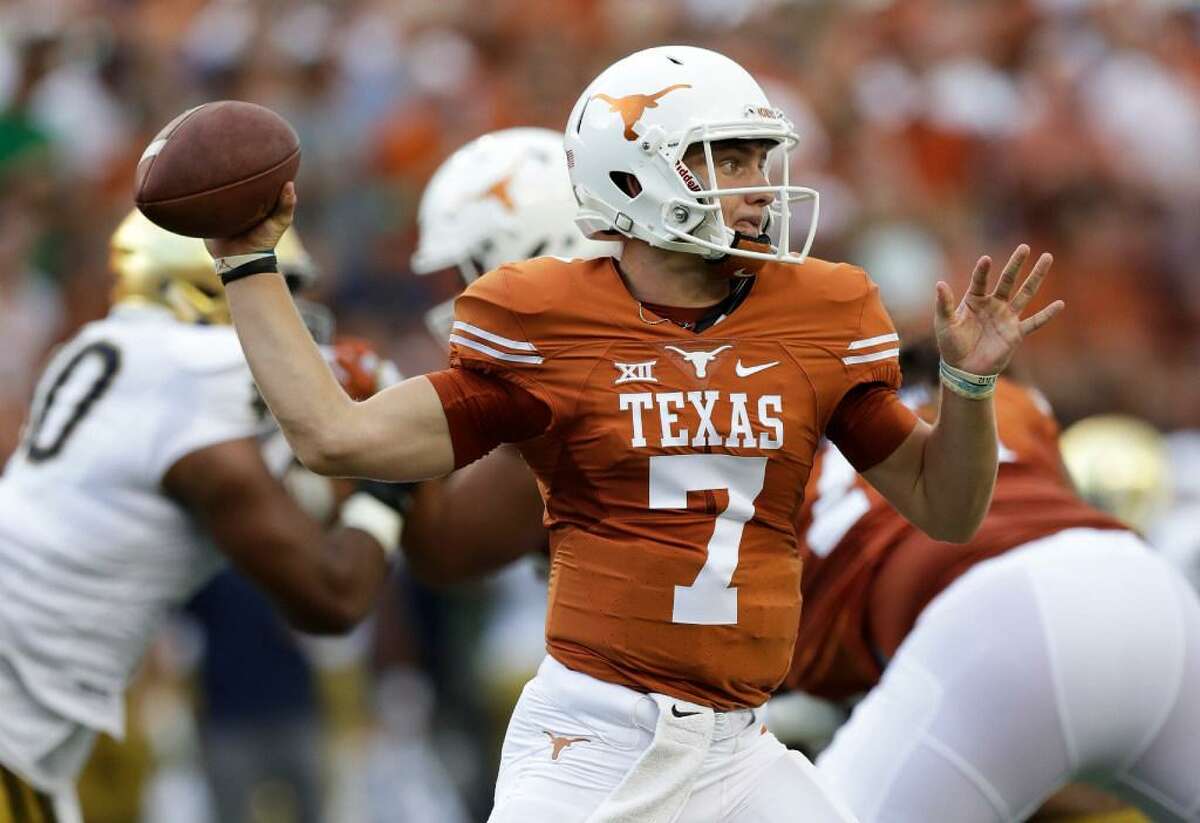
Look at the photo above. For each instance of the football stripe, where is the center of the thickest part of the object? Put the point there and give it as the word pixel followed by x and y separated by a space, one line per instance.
pixel 153 149
pixel 491 337
pixel 869 358
pixel 532 359
pixel 874 341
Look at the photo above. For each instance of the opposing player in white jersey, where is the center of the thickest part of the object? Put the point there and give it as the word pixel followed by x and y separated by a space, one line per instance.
pixel 501 198
pixel 139 474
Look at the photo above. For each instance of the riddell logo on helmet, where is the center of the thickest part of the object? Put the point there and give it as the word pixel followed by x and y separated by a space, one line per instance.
pixel 764 112
pixel 632 106
pixel 689 179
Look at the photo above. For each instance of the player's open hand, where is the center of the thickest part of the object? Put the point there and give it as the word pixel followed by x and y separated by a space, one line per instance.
pixel 982 333
pixel 265 235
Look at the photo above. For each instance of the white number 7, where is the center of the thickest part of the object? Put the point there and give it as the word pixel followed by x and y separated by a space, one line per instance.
pixel 710 600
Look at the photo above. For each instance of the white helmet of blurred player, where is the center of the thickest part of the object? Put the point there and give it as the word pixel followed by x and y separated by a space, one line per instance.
pixel 640 116
pixel 501 198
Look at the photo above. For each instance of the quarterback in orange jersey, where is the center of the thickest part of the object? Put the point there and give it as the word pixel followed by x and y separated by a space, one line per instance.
pixel 670 404
pixel 1053 646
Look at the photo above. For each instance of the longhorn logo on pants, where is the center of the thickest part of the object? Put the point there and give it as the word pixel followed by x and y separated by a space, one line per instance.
pixel 560 743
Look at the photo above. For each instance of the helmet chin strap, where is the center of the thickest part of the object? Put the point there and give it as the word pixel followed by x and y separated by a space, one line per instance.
pixel 733 266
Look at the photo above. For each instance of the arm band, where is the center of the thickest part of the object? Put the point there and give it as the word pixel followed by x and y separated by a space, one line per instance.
pixel 965 384
pixel 237 266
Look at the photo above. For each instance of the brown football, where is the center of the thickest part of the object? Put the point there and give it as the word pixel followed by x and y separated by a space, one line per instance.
pixel 217 169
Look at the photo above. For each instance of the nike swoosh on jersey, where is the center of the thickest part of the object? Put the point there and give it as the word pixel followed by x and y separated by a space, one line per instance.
pixel 746 371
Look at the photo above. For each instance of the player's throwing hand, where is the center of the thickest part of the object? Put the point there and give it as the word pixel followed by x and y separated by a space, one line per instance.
pixel 982 333
pixel 265 235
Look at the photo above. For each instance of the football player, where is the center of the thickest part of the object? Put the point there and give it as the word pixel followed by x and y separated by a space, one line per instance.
pixel 1053 646
pixel 670 404
pixel 470 548
pixel 138 476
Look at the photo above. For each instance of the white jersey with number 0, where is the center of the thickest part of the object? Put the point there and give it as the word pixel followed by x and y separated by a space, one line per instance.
pixel 93 554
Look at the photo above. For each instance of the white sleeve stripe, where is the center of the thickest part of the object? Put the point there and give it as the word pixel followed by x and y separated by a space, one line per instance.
pixel 499 355
pixel 519 345
pixel 874 341
pixel 869 358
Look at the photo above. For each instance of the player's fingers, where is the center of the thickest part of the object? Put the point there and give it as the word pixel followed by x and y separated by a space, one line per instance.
pixel 285 208
pixel 1034 322
pixel 1009 275
pixel 1032 283
pixel 979 277
pixel 943 301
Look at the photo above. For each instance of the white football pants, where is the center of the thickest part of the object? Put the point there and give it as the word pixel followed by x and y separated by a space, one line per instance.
pixel 1075 657
pixel 573 742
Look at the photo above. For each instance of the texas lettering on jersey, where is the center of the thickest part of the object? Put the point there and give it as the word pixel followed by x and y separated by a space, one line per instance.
pixel 686 419
pixel 868 573
pixel 674 461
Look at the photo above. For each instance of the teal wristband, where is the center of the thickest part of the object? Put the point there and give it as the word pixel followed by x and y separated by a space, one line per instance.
pixel 965 384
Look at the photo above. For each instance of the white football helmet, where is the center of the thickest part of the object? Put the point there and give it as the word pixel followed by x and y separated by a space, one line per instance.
pixel 640 116
pixel 501 198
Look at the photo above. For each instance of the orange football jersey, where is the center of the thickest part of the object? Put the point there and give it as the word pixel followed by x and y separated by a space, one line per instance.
pixel 869 573
pixel 675 461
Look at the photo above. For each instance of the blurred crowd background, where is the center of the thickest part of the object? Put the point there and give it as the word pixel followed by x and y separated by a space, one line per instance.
pixel 935 131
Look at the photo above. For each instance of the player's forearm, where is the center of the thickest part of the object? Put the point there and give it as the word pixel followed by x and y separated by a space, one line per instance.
pixel 959 469
pixel 305 399
pixel 476 521
pixel 342 585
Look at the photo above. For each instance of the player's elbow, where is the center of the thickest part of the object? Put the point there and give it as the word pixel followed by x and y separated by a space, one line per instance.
pixel 960 527
pixel 955 534
pixel 332 618
pixel 326 453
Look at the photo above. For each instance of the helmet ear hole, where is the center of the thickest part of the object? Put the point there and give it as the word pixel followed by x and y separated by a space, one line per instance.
pixel 626 182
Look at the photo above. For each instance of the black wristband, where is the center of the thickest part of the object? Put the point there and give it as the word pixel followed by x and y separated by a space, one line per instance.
pixel 260 266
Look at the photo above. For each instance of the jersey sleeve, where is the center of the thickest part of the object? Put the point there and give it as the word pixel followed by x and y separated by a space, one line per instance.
pixel 482 412
pixel 869 424
pixel 866 418
pixel 207 400
pixel 491 334
pixel 871 354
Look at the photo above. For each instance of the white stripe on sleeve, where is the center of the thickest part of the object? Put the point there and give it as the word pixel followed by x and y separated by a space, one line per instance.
pixel 519 345
pixel 873 356
pixel 874 341
pixel 489 351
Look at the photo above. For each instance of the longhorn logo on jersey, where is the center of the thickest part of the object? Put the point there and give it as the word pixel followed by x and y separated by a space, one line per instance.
pixel 631 107
pixel 699 360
